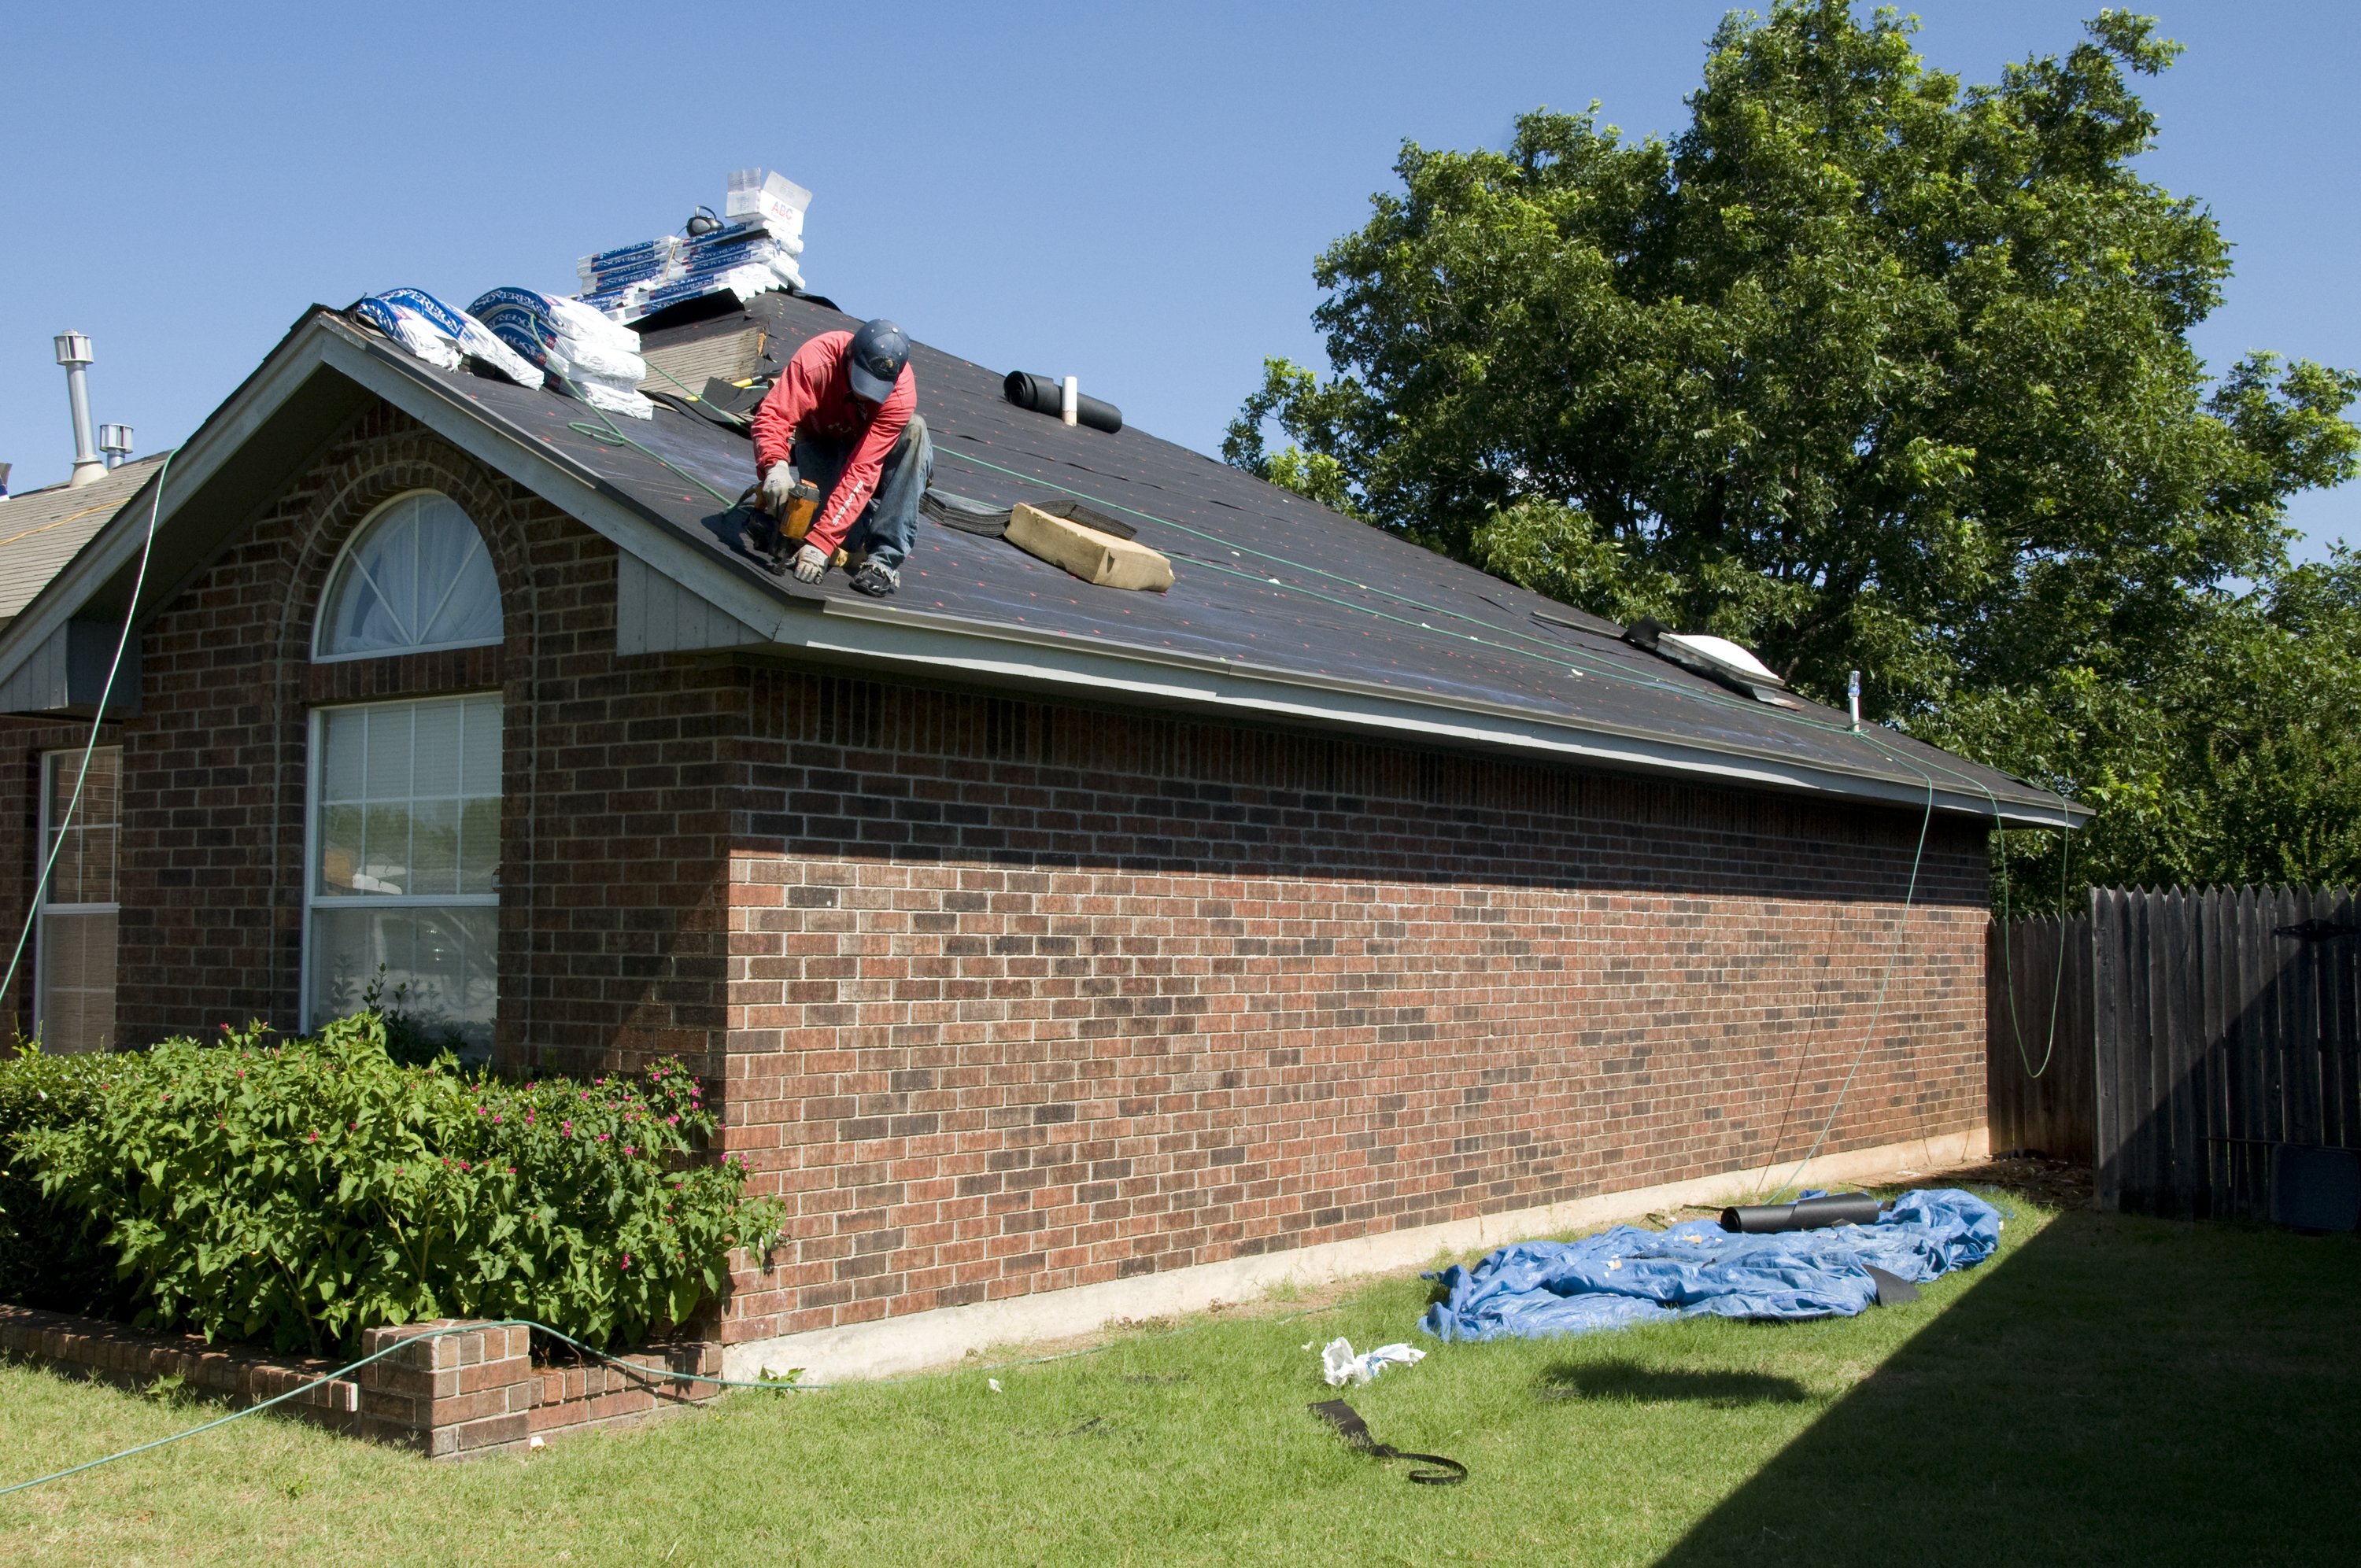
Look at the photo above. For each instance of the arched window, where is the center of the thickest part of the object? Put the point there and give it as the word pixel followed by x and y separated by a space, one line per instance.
pixel 416 576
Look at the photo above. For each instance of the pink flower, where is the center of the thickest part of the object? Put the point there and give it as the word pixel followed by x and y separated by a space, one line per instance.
pixel 673 1119
pixel 629 1149
pixel 626 1260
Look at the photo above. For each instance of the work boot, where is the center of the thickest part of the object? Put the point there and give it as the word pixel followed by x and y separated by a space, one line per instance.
pixel 876 579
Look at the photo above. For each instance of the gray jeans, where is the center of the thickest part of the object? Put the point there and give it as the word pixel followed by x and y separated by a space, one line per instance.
pixel 888 526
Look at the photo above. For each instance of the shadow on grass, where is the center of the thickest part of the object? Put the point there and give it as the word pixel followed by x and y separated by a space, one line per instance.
pixel 2115 1390
pixel 1638 1385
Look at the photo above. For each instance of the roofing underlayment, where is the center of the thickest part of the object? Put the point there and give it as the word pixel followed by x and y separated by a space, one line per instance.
pixel 1280 605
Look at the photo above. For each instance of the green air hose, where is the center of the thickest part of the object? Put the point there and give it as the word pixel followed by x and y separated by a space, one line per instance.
pixel 775 1386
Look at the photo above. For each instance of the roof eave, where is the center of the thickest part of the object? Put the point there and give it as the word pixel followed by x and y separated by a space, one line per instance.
pixel 989 654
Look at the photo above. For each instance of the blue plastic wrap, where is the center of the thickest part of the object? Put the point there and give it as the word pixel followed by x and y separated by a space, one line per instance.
pixel 1535 1289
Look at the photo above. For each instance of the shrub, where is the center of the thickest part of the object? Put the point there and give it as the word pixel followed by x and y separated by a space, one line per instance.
pixel 301 1191
pixel 49 1257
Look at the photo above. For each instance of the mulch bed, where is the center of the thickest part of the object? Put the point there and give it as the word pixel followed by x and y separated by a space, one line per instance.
pixel 2052 1183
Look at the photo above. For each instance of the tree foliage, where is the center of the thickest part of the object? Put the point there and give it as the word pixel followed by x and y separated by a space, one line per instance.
pixel 1866 369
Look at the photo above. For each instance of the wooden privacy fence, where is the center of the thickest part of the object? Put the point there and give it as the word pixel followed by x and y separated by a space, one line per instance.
pixel 2195 1029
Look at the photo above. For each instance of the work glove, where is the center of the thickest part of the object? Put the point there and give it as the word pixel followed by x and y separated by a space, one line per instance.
pixel 810 563
pixel 777 484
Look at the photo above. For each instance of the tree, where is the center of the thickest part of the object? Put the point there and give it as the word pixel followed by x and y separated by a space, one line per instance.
pixel 1864 370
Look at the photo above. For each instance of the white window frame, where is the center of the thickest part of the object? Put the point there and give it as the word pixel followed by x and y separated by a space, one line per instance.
pixel 313 749
pixel 335 576
pixel 43 907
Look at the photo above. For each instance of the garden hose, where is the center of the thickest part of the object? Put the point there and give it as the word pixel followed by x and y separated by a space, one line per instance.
pixel 775 1385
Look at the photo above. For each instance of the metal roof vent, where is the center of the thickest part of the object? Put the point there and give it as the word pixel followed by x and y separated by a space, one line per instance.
pixel 73 352
pixel 115 440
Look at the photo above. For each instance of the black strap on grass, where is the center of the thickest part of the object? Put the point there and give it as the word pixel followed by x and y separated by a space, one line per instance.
pixel 1893 1290
pixel 1348 1421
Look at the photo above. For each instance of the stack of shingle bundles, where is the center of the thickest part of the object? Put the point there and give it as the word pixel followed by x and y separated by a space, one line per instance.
pixel 619 280
pixel 755 251
pixel 746 260
pixel 596 359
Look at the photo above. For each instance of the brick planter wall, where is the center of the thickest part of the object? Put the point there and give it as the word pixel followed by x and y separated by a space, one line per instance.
pixel 449 1395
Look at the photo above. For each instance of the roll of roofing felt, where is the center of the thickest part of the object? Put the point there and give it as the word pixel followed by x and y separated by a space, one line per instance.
pixel 1811 1214
pixel 1843 1209
pixel 1044 395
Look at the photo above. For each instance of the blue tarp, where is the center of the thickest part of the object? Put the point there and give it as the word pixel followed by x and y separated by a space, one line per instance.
pixel 1533 1289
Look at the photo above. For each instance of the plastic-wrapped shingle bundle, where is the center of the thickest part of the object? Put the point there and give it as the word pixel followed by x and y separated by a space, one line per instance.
pixel 596 359
pixel 756 251
pixel 440 336
pixel 628 272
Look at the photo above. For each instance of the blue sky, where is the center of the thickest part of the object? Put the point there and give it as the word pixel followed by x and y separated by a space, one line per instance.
pixel 1132 195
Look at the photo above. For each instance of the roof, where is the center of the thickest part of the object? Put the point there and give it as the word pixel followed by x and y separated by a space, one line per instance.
pixel 40 530
pixel 1282 609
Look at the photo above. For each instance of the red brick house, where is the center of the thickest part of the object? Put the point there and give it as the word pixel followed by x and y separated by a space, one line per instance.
pixel 1062 952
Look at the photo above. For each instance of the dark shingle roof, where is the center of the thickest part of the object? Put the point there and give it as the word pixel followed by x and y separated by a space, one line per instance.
pixel 1264 578
pixel 1282 609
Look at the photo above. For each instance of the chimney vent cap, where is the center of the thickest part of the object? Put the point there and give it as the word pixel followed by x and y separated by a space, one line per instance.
pixel 74 347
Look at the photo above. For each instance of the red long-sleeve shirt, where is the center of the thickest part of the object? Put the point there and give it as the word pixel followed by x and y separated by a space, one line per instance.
pixel 814 396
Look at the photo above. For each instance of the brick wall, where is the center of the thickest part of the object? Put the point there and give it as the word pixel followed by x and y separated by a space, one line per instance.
pixel 1024 997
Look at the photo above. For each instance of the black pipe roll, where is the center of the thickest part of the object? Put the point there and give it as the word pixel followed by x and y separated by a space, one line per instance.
pixel 1811 1214
pixel 1044 396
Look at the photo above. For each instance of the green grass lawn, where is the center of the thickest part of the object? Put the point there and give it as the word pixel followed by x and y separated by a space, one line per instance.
pixel 2108 1390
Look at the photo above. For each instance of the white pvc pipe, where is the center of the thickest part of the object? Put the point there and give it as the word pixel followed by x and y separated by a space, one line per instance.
pixel 1070 400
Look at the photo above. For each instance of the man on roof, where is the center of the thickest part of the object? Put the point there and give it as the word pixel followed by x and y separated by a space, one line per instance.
pixel 843 418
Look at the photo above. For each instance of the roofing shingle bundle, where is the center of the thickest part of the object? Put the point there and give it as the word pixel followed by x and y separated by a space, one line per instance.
pixel 440 336
pixel 755 250
pixel 597 359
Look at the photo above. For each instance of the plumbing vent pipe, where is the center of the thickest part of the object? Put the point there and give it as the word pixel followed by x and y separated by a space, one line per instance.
pixel 73 352
pixel 1042 395
pixel 4 480
pixel 115 440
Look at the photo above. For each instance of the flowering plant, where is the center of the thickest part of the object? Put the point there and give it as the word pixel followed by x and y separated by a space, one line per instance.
pixel 301 1190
